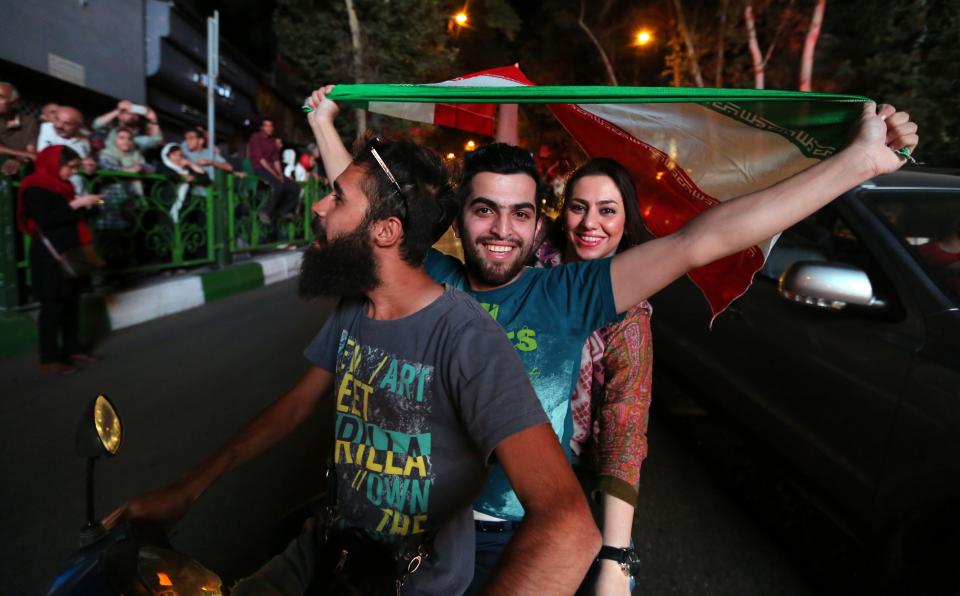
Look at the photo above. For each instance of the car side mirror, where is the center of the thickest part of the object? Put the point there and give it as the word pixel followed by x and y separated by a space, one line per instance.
pixel 832 286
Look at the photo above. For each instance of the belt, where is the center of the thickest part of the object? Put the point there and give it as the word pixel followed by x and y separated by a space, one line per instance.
pixel 495 526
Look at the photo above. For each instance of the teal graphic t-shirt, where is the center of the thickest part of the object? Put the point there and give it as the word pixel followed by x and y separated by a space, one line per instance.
pixel 547 315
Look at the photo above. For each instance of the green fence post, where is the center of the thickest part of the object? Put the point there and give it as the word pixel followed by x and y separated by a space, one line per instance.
pixel 9 292
pixel 308 195
pixel 211 214
pixel 231 215
pixel 222 212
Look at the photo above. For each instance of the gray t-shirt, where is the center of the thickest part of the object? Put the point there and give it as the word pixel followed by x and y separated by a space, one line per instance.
pixel 421 403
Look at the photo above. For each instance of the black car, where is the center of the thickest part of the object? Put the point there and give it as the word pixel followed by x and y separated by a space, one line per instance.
pixel 844 359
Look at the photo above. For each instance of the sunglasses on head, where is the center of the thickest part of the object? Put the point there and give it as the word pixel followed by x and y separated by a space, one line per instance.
pixel 372 147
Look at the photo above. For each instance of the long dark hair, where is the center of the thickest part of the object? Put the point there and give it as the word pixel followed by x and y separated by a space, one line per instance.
pixel 633 230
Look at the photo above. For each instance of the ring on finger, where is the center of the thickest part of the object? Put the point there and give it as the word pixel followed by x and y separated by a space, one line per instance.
pixel 904 152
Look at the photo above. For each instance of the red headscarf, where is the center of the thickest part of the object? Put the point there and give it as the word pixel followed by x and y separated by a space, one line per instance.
pixel 46 175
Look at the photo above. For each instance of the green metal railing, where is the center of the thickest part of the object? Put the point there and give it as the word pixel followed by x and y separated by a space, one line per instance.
pixel 245 231
pixel 148 223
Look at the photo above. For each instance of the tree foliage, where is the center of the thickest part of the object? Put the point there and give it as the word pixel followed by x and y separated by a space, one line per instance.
pixel 719 34
pixel 403 40
pixel 906 55
pixel 557 50
pixel 902 52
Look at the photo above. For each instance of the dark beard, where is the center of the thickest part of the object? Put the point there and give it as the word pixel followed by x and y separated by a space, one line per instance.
pixel 493 275
pixel 342 267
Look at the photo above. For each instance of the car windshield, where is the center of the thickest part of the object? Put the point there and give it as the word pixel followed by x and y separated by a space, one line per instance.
pixel 929 221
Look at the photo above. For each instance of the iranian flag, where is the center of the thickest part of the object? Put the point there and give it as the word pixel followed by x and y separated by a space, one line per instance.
pixel 687 149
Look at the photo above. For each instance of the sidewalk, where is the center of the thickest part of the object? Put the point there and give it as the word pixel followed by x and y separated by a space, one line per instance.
pixel 101 313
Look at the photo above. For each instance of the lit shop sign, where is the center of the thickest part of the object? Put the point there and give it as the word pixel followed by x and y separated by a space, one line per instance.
pixel 224 91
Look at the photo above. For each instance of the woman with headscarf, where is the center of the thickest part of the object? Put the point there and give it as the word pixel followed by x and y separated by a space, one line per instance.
pixel 182 172
pixel 48 208
pixel 115 217
pixel 122 154
pixel 177 168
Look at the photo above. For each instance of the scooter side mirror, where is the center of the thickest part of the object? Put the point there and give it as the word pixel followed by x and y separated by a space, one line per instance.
pixel 99 432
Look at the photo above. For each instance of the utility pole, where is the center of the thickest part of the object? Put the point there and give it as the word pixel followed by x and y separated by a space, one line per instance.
pixel 213 67
pixel 219 206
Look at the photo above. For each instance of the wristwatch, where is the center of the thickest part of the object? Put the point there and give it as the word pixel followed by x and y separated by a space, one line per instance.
pixel 626 557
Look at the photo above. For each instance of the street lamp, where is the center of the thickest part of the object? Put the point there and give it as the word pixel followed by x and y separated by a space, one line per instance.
pixel 644 37
pixel 470 146
pixel 461 18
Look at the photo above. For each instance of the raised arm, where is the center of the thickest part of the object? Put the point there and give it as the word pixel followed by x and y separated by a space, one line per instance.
pixel 17 152
pixel 558 540
pixel 167 505
pixel 735 225
pixel 334 154
pixel 507 114
pixel 154 134
pixel 103 120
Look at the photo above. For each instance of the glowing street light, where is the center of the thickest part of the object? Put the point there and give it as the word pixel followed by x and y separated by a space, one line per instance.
pixel 644 37
pixel 451 156
pixel 461 18
pixel 470 146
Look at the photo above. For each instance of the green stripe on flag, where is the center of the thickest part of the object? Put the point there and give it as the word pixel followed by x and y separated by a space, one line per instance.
pixel 357 94
pixel 817 129
pixel 816 123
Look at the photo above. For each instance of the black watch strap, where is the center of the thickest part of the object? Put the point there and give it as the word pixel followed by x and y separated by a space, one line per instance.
pixel 625 557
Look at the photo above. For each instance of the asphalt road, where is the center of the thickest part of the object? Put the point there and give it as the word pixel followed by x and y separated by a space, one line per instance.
pixel 185 383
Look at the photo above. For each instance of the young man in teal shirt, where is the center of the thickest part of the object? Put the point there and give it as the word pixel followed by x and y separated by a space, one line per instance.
pixel 548 313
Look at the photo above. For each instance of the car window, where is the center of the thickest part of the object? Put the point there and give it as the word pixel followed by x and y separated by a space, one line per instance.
pixel 929 222
pixel 824 236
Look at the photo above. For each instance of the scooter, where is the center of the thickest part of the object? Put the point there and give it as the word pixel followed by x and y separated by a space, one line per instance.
pixel 132 558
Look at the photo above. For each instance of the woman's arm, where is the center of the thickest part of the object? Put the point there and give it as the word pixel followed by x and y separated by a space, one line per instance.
pixel 622 418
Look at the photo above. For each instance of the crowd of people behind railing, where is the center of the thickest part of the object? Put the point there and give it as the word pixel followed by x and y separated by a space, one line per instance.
pixel 129 139
pixel 123 194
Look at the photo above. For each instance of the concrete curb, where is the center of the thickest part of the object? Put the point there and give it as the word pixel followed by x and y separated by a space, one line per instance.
pixel 100 314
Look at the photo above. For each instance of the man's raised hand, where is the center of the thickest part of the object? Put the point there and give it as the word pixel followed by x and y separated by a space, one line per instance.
pixel 324 110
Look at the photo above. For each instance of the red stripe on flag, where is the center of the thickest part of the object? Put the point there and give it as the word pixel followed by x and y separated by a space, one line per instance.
pixel 477 118
pixel 510 73
pixel 668 199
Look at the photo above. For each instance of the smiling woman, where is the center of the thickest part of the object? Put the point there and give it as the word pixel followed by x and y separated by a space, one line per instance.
pixel 611 400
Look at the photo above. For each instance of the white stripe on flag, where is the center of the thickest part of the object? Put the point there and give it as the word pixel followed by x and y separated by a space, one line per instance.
pixel 732 159
pixel 408 110
pixel 424 112
pixel 480 81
